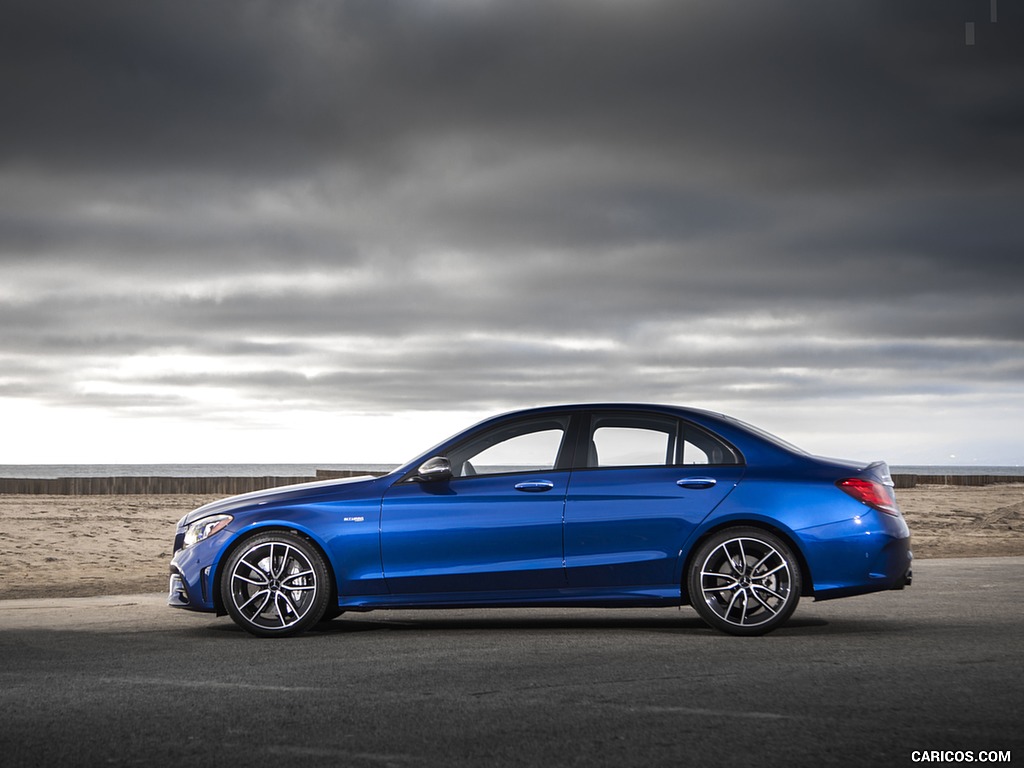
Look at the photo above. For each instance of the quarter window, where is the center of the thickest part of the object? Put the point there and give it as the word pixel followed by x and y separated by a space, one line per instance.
pixel 700 447
pixel 694 454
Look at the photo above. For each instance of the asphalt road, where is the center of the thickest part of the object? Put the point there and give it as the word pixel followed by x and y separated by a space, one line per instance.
pixel 862 681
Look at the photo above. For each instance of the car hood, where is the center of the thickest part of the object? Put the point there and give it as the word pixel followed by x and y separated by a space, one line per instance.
pixel 278 495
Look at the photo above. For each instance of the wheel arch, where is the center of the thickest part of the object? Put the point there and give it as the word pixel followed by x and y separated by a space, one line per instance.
pixel 249 533
pixel 807 583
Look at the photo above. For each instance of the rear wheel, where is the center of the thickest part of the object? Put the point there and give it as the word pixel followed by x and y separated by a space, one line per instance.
pixel 275 584
pixel 744 581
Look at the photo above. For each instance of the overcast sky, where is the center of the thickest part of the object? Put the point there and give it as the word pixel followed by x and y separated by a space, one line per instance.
pixel 338 231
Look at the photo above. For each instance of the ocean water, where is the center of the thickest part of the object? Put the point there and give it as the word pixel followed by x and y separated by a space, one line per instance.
pixel 309 470
pixel 178 470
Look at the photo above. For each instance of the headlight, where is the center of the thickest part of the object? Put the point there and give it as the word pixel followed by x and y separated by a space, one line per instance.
pixel 202 529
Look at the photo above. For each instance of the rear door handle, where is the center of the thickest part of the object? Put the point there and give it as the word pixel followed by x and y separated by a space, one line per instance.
pixel 535 486
pixel 696 483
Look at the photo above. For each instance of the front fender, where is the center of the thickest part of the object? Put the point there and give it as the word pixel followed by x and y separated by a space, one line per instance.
pixel 346 534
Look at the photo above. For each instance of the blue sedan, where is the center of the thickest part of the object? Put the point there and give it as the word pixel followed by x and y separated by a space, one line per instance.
pixel 616 505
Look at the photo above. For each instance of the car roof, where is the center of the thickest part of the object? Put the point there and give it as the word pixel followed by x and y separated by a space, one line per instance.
pixel 612 406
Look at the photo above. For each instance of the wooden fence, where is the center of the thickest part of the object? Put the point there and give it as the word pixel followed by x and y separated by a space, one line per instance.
pixel 910 481
pixel 213 486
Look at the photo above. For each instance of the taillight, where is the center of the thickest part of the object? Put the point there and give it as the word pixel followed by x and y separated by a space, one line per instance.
pixel 875 495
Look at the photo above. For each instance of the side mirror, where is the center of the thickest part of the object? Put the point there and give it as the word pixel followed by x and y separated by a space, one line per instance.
pixel 436 468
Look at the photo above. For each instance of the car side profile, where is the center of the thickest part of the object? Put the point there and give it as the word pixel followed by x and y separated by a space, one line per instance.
pixel 616 505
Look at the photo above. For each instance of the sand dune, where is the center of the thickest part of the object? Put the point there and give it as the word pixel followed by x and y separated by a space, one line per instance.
pixel 80 546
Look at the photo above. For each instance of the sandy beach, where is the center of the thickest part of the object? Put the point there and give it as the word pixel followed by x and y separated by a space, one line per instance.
pixel 83 546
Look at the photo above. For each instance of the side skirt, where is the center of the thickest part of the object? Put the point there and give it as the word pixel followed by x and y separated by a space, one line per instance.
pixel 619 597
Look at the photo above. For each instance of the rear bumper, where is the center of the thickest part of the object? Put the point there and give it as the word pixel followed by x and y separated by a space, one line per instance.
pixel 870 553
pixel 908 577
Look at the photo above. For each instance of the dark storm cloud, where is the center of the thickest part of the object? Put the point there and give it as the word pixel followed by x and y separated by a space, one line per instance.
pixel 431 204
pixel 266 88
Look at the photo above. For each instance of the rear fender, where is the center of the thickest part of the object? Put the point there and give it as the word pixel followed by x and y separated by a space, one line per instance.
pixel 764 524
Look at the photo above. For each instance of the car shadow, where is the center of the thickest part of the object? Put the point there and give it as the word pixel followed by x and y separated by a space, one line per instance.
pixel 380 622
pixel 808 627
pixel 512 621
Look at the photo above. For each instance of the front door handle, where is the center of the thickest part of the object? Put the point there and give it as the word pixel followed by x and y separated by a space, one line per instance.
pixel 535 486
pixel 696 483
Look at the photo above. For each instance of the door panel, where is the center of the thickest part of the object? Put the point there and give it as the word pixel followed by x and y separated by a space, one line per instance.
pixel 475 534
pixel 625 526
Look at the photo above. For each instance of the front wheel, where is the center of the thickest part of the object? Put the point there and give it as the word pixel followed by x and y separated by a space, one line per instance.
pixel 744 581
pixel 275 584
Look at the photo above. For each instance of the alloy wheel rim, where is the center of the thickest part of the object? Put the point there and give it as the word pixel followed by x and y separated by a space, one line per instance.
pixel 273 585
pixel 746 582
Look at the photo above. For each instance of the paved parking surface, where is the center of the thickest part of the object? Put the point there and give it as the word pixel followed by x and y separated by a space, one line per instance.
pixel 862 681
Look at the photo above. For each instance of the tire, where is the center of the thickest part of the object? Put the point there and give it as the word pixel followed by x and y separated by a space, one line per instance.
pixel 744 581
pixel 275 585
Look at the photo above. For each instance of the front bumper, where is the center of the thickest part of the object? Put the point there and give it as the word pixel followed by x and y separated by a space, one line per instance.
pixel 191 577
pixel 177 592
